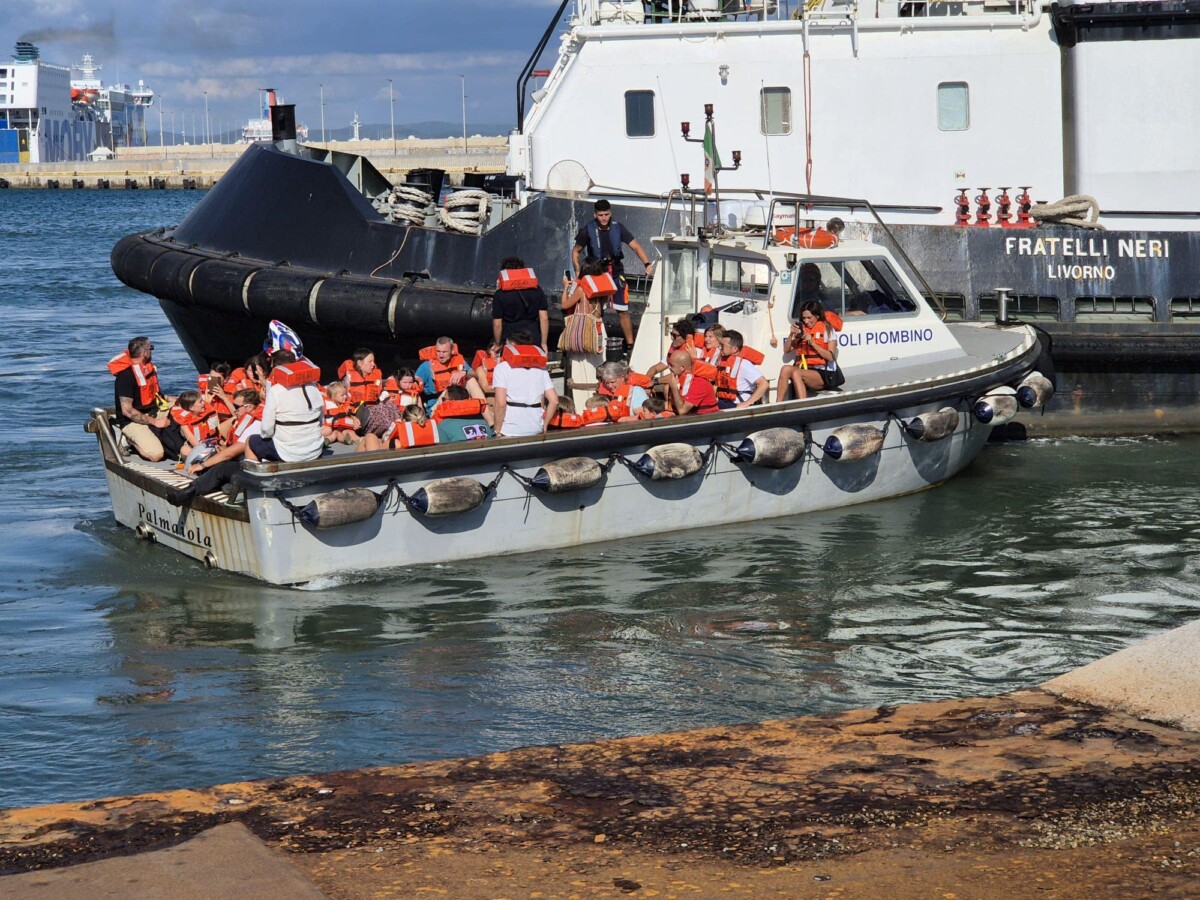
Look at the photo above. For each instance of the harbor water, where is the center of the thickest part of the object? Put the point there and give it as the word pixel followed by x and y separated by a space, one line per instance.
pixel 126 668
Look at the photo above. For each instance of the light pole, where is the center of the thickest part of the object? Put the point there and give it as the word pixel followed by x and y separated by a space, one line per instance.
pixel 207 127
pixel 392 111
pixel 172 128
pixel 162 144
pixel 464 110
pixel 322 87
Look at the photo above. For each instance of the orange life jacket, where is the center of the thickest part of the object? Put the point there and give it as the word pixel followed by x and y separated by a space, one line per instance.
pixel 442 372
pixel 458 409
pixel 580 420
pixel 410 434
pixel 706 370
pixel 216 403
pixel 144 374
pixel 202 425
pixel 593 286
pixel 727 377
pixel 806 356
pixel 645 414
pixel 516 280
pixel 295 374
pixel 488 362
pixel 524 356
pixel 237 433
pixel 619 402
pixel 338 416
pixel 403 397
pixel 363 388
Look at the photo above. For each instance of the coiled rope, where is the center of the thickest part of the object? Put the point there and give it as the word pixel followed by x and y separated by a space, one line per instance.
pixel 1079 210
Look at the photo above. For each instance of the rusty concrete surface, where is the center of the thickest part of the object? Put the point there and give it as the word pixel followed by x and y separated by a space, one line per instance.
pixel 960 796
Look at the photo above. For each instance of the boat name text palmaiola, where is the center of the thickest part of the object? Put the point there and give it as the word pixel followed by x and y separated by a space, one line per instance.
pixel 190 532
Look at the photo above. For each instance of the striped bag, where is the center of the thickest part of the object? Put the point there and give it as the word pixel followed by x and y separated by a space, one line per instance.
pixel 582 333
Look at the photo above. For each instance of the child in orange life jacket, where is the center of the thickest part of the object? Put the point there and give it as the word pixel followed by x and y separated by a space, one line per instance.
pixel 413 429
pixel 403 387
pixel 341 424
pixel 197 422
pixel 653 408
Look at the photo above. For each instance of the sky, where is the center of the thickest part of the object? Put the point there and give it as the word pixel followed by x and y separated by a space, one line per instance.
pixel 231 49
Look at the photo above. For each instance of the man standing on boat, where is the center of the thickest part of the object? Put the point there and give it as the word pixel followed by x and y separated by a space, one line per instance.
pixel 602 239
pixel 519 304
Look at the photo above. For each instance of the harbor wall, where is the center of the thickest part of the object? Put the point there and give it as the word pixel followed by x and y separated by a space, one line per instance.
pixel 199 166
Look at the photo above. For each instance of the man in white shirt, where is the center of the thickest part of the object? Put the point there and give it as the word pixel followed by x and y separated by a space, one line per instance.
pixel 291 421
pixel 743 383
pixel 520 391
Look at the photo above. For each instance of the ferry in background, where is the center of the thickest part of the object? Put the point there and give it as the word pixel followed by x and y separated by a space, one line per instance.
pixel 959 117
pixel 46 116
pixel 259 130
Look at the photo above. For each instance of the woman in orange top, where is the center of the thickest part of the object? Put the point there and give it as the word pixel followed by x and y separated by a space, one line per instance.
pixel 814 342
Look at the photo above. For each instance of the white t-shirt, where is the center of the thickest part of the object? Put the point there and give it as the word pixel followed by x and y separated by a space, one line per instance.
pixel 523 386
pixel 747 375
pixel 304 408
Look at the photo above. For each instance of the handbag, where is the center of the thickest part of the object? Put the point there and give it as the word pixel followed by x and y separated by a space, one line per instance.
pixel 582 333
pixel 835 377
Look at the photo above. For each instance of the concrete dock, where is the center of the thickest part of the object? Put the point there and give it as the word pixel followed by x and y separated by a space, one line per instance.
pixel 199 167
pixel 1030 793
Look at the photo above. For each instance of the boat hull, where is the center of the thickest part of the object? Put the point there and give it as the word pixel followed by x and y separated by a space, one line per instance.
pixel 263 537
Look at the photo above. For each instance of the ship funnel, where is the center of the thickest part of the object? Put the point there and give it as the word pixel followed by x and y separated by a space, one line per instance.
pixel 283 125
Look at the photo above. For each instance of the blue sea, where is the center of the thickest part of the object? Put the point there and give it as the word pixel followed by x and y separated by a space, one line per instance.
pixel 126 668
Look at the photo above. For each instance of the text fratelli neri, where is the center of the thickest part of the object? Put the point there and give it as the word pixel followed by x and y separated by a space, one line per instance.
pixel 1085 258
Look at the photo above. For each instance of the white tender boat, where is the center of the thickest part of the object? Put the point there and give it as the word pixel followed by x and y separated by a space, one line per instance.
pixel 919 402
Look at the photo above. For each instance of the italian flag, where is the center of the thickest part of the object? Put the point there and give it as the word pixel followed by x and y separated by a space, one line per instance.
pixel 712 159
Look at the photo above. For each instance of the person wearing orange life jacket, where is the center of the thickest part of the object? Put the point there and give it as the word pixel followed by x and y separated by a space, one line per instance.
pixel 525 398
pixel 197 421
pixel 341 425
pixel 683 333
pixel 403 387
pixel 140 406
pixel 690 393
pixel 292 414
pixel 220 468
pixel 815 343
pixel 601 241
pixel 654 408
pixel 519 304
pixel 625 397
pixel 484 364
pixel 362 377
pixel 442 366
pixel 740 383
pixel 461 417
pixel 412 429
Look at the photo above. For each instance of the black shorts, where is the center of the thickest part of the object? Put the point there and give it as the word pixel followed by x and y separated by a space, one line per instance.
pixel 263 448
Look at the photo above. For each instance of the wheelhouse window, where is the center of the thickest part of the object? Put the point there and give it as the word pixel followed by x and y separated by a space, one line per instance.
pixel 775 104
pixel 953 106
pixel 680 295
pixel 852 287
pixel 639 113
pixel 746 278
